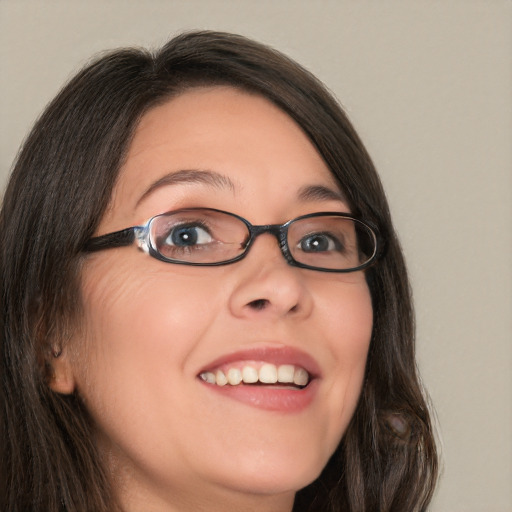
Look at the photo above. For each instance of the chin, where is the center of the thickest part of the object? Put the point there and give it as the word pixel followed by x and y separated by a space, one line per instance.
pixel 271 475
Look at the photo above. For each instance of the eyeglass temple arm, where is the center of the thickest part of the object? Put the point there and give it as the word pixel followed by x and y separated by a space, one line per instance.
pixel 118 239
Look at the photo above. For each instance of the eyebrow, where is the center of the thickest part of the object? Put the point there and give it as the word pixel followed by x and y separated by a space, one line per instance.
pixel 214 179
pixel 210 178
pixel 320 193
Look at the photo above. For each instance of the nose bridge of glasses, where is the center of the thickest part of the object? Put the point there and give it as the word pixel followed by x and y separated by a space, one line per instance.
pixel 276 230
pixel 273 229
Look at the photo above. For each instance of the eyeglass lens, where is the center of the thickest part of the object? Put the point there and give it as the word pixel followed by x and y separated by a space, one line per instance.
pixel 208 236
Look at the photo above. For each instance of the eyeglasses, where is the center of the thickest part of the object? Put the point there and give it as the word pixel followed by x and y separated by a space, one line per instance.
pixel 325 241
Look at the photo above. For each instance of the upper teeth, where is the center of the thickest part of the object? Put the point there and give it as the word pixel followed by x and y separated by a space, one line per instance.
pixel 267 374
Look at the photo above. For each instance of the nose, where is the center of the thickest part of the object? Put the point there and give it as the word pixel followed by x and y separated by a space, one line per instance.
pixel 267 285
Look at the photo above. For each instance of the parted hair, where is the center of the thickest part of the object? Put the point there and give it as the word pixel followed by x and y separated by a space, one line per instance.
pixel 61 184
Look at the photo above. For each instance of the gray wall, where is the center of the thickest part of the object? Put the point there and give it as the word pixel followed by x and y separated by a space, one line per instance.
pixel 428 85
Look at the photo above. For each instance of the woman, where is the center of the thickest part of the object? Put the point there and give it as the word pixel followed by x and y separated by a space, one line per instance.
pixel 220 370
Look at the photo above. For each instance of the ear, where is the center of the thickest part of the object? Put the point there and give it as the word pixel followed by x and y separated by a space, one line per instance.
pixel 62 378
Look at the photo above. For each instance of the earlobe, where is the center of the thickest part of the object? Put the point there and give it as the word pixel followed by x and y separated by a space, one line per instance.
pixel 62 379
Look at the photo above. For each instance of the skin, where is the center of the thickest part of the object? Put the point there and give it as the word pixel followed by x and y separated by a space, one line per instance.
pixel 150 327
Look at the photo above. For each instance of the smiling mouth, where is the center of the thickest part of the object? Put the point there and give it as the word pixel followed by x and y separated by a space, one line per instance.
pixel 285 375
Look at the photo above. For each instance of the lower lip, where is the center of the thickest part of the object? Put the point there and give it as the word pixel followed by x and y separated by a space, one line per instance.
pixel 269 398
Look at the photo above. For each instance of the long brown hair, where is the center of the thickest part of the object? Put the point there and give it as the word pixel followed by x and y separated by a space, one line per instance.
pixel 61 184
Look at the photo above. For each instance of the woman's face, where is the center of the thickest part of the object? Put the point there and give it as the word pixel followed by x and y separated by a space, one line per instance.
pixel 151 329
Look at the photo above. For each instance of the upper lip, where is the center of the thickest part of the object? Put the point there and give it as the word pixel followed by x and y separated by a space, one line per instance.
pixel 283 354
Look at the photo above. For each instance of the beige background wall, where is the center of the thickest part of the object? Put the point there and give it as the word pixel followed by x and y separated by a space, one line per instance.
pixel 428 84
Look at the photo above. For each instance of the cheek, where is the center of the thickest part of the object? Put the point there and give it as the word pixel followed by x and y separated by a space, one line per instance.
pixel 347 324
pixel 346 319
pixel 127 302
pixel 137 331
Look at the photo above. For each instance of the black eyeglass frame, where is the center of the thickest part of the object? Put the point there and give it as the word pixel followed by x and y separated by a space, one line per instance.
pixel 127 236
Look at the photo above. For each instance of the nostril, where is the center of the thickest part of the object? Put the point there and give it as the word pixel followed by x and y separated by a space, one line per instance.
pixel 259 304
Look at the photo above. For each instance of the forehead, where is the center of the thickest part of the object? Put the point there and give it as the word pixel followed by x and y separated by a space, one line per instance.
pixel 239 135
